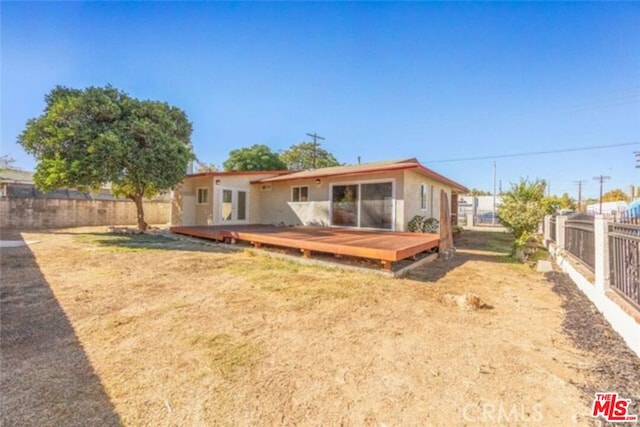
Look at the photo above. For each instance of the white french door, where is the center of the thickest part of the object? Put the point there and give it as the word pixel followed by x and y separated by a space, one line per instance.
pixel 234 206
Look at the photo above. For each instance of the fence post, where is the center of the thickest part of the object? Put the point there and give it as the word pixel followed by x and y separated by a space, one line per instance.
pixel 470 219
pixel 546 237
pixel 560 220
pixel 601 237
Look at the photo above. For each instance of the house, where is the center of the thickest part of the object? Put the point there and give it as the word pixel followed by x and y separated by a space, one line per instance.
pixel 382 196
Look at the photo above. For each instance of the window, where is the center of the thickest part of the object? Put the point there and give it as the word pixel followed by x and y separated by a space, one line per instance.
pixel 431 199
pixel 365 205
pixel 227 205
pixel 202 196
pixel 242 205
pixel 344 209
pixel 423 197
pixel 300 194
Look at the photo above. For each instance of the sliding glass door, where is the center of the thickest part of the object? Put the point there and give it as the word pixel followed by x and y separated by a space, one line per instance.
pixel 376 205
pixel 344 200
pixel 365 205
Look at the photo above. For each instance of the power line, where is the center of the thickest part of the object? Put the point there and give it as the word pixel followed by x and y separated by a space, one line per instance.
pixel 315 137
pixel 602 179
pixel 535 153
pixel 580 182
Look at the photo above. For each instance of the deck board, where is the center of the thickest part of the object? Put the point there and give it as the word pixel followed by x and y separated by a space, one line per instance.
pixel 379 245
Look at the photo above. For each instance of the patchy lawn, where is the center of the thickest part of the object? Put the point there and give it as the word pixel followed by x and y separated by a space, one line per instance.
pixel 142 330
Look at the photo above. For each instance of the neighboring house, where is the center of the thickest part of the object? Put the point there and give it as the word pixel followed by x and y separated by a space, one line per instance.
pixel 477 205
pixel 14 178
pixel 609 208
pixel 383 195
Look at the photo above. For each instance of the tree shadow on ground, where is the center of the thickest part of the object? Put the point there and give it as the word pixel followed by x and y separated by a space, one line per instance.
pixel 483 246
pixel 143 241
pixel 47 378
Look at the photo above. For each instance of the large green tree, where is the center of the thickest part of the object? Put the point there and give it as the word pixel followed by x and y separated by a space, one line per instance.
pixel 475 192
pixel 205 167
pixel 616 195
pixel 307 155
pixel 523 208
pixel 258 157
pixel 555 203
pixel 98 135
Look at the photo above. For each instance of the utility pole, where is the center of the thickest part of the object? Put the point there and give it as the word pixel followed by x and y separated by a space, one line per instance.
pixel 315 137
pixel 601 179
pixel 493 217
pixel 580 182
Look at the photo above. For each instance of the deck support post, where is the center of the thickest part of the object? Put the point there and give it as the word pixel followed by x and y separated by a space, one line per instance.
pixel 306 253
pixel 256 245
pixel 386 265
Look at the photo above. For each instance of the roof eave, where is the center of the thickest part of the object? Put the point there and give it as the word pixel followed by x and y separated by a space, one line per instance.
pixel 391 168
pixel 236 173
pixel 435 175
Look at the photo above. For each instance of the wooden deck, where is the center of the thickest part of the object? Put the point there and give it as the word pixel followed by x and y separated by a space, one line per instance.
pixel 385 246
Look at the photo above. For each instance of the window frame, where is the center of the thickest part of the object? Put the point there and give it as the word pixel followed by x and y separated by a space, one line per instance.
pixel 299 188
pixel 199 192
pixel 424 197
pixel 358 183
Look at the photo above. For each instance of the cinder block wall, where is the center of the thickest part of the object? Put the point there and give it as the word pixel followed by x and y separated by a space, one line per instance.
pixel 27 213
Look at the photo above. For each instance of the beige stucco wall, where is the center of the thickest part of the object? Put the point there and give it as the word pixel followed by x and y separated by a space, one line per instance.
pixel 276 206
pixel 412 182
pixel 186 211
pixel 239 182
pixel 177 209
pixel 196 214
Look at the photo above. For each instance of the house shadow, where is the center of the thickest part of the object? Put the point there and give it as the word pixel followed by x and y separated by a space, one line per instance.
pixel 47 378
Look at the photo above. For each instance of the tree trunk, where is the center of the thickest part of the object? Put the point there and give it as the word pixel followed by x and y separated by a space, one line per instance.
pixel 137 199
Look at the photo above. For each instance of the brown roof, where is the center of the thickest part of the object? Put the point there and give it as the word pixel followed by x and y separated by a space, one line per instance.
pixel 367 168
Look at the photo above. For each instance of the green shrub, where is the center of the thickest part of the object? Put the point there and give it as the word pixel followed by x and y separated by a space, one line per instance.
pixel 523 208
pixel 421 224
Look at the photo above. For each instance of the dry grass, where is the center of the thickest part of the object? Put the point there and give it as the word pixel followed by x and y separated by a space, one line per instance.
pixel 184 334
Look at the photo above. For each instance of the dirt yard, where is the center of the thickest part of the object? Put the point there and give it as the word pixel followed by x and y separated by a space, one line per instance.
pixel 100 329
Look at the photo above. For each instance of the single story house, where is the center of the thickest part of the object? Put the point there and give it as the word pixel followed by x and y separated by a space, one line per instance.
pixel 382 195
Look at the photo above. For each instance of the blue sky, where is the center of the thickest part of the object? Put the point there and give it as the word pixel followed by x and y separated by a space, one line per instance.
pixel 434 81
